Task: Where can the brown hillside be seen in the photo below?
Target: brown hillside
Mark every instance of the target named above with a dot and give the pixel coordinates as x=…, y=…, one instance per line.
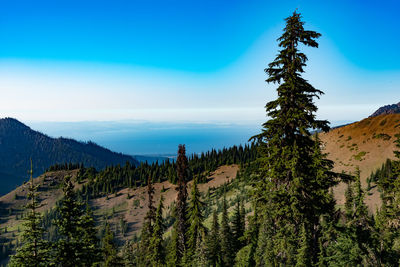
x=49, y=192
x=133, y=210
x=128, y=205
x=366, y=144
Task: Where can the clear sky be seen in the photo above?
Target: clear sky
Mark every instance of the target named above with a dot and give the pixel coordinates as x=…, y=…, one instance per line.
x=197, y=61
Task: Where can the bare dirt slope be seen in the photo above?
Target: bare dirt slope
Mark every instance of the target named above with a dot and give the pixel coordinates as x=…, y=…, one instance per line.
x=127, y=205
x=366, y=144
x=49, y=193
x=131, y=205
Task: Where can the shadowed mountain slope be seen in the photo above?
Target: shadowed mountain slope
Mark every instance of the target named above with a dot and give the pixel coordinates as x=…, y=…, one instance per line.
x=19, y=143
x=388, y=109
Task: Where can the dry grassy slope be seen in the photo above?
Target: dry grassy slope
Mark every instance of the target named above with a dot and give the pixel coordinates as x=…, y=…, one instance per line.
x=131, y=209
x=49, y=192
x=366, y=144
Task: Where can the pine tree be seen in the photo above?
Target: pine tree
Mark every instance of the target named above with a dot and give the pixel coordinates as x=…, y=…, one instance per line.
x=294, y=190
x=196, y=228
x=238, y=225
x=246, y=256
x=213, y=242
x=200, y=257
x=181, y=206
x=348, y=205
x=226, y=237
x=355, y=245
x=144, y=257
x=172, y=248
x=387, y=219
x=34, y=250
x=109, y=249
x=90, y=243
x=69, y=248
x=129, y=253
x=156, y=243
x=303, y=252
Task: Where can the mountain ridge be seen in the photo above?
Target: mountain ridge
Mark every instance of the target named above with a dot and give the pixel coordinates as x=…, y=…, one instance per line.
x=19, y=143
x=388, y=109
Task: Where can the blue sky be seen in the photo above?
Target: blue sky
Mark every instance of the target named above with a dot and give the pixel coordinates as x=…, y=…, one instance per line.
x=191, y=61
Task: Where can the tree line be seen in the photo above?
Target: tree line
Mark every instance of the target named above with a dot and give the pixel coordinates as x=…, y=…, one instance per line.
x=114, y=178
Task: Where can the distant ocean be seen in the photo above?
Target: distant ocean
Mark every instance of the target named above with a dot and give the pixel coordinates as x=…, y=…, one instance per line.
x=154, y=139
x=150, y=138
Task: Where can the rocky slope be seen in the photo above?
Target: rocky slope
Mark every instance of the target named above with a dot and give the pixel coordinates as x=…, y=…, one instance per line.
x=388, y=109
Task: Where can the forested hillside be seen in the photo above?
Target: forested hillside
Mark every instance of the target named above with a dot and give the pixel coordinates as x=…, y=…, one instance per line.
x=19, y=143
x=116, y=194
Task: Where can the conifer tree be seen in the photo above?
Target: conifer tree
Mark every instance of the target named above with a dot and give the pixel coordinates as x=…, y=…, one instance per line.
x=34, y=250
x=355, y=245
x=196, y=227
x=214, y=248
x=156, y=243
x=90, y=243
x=109, y=249
x=387, y=219
x=145, y=252
x=200, y=257
x=303, y=252
x=129, y=253
x=226, y=237
x=296, y=174
x=172, y=248
x=238, y=225
x=246, y=256
x=349, y=197
x=181, y=205
x=243, y=216
x=69, y=248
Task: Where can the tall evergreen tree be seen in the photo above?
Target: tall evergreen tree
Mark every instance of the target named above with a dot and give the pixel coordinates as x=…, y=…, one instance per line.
x=109, y=249
x=246, y=256
x=356, y=243
x=196, y=228
x=172, y=248
x=144, y=257
x=387, y=219
x=181, y=205
x=238, y=225
x=200, y=257
x=156, y=244
x=227, y=249
x=349, y=197
x=34, y=250
x=296, y=175
x=69, y=248
x=89, y=241
x=213, y=242
x=129, y=253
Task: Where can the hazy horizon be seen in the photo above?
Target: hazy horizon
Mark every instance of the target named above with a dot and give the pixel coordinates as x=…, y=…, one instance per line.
x=188, y=61
x=154, y=138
